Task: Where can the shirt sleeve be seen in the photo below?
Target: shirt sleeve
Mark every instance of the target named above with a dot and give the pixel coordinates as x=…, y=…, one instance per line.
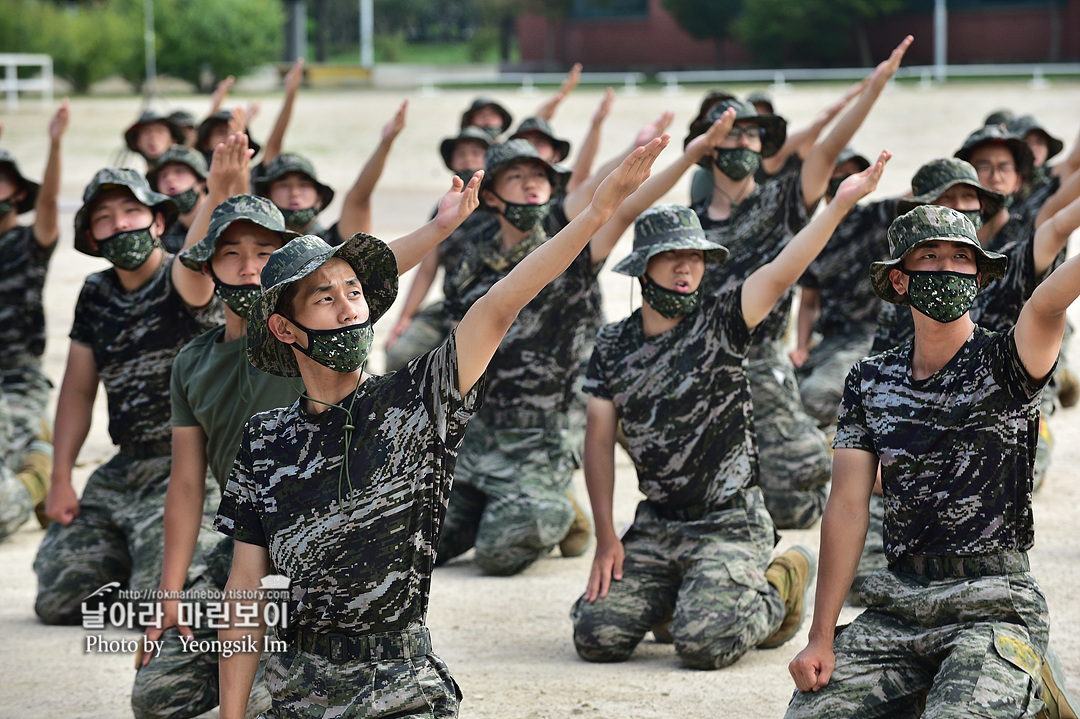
x=852, y=431
x=82, y=328
x=238, y=516
x=796, y=215
x=436, y=373
x=1009, y=370
x=725, y=317
x=181, y=413
x=596, y=374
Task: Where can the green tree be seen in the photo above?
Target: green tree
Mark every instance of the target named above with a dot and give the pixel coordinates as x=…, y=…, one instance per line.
x=780, y=32
x=705, y=19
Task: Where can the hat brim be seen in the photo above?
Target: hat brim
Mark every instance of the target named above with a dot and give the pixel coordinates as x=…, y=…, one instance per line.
x=376, y=268
x=558, y=175
x=992, y=200
x=194, y=256
x=1025, y=161
x=32, y=189
x=637, y=261
x=131, y=135
x=991, y=266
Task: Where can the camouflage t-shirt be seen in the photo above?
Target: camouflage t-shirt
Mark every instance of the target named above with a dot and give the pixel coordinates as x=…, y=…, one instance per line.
x=849, y=305
x=536, y=363
x=757, y=230
x=453, y=248
x=214, y=387
x=366, y=566
x=684, y=402
x=135, y=337
x=957, y=449
x=23, y=265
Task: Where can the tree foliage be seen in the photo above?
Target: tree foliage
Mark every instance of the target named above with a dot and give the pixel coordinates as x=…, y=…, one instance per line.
x=706, y=19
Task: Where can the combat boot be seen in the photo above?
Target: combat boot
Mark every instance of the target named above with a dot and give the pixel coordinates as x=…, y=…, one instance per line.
x=576, y=540
x=36, y=473
x=791, y=574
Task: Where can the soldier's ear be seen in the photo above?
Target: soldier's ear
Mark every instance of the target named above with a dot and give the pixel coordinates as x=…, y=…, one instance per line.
x=899, y=282
x=281, y=328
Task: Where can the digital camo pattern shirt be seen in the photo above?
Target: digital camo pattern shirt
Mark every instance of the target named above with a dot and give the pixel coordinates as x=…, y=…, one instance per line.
x=536, y=363
x=957, y=449
x=366, y=566
x=849, y=305
x=23, y=265
x=454, y=247
x=684, y=402
x=173, y=238
x=757, y=230
x=135, y=336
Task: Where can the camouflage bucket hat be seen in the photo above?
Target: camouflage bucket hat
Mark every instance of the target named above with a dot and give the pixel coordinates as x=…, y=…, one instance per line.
x=927, y=223
x=999, y=117
x=149, y=117
x=1024, y=124
x=32, y=188
x=663, y=228
x=375, y=266
x=849, y=154
x=935, y=177
x=482, y=102
x=111, y=178
x=288, y=162
x=502, y=154
x=698, y=124
x=996, y=134
x=763, y=98
x=182, y=155
x=207, y=126
x=238, y=207
x=540, y=125
x=775, y=127
x=467, y=134
x=183, y=118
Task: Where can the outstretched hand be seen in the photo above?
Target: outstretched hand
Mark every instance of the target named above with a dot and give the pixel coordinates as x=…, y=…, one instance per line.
x=833, y=110
x=396, y=124
x=294, y=77
x=628, y=176
x=237, y=121
x=220, y=93
x=459, y=202
x=547, y=110
x=704, y=143
x=59, y=122
x=229, y=165
x=885, y=70
x=605, y=106
x=654, y=128
x=607, y=567
x=857, y=186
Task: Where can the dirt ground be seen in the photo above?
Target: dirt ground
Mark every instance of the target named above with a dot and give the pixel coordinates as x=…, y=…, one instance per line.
x=507, y=640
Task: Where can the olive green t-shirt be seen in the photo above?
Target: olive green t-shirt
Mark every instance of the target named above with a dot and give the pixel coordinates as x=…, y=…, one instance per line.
x=215, y=387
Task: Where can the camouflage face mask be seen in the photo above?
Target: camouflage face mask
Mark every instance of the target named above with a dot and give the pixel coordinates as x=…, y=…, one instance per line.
x=669, y=303
x=525, y=217
x=297, y=220
x=6, y=206
x=975, y=216
x=128, y=250
x=344, y=349
x=942, y=295
x=737, y=162
x=186, y=200
x=238, y=298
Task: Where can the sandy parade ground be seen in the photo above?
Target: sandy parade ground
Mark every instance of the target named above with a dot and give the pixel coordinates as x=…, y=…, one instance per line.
x=507, y=640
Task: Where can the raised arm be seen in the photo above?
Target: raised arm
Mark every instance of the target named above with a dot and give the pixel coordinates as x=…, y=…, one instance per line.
x=74, y=409
x=601, y=421
x=1042, y=320
x=1068, y=191
x=547, y=110
x=236, y=673
x=587, y=152
x=822, y=158
x=484, y=325
x=220, y=93
x=603, y=242
x=769, y=282
x=457, y=204
x=47, y=206
x=421, y=284
x=843, y=533
x=579, y=199
x=801, y=141
x=274, y=143
x=231, y=162
x=1070, y=163
x=809, y=311
x=1053, y=235
x=356, y=212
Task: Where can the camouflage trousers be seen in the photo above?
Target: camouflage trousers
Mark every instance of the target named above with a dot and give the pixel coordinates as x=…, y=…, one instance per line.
x=180, y=683
x=118, y=536
x=821, y=379
x=707, y=576
x=509, y=499
x=306, y=686
x=24, y=394
x=429, y=328
x=971, y=647
x=793, y=454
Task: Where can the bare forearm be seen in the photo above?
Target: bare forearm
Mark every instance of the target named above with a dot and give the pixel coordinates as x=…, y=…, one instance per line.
x=184, y=501
x=1066, y=193
x=46, y=208
x=236, y=674
x=412, y=248
x=421, y=284
x=809, y=311
x=843, y=534
x=277, y=136
x=74, y=410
